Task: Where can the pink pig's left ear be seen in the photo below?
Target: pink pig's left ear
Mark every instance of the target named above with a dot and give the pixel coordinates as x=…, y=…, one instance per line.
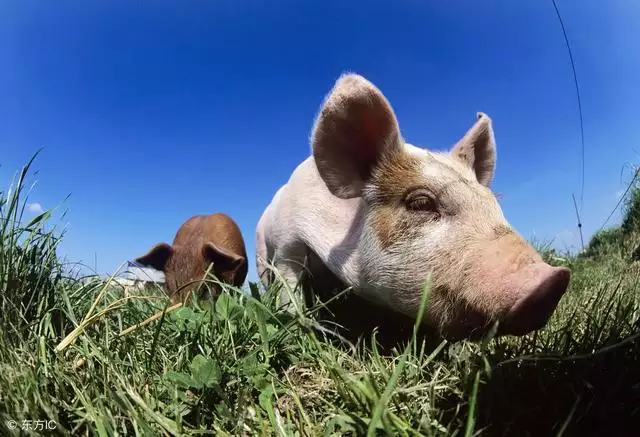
x=355, y=128
x=477, y=149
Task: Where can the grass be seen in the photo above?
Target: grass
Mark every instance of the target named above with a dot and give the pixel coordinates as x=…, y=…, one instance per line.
x=237, y=366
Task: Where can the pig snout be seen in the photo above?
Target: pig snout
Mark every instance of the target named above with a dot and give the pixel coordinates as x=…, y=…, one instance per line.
x=537, y=301
x=510, y=283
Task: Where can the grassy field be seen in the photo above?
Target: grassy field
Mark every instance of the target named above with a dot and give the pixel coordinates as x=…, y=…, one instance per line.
x=237, y=366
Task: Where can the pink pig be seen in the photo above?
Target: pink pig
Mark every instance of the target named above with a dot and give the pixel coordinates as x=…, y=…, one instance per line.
x=369, y=211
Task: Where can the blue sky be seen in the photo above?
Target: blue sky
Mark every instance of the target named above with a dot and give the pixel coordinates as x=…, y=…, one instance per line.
x=150, y=112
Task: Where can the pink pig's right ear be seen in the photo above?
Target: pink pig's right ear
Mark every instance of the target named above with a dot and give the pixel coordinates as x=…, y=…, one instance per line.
x=354, y=129
x=477, y=149
x=157, y=257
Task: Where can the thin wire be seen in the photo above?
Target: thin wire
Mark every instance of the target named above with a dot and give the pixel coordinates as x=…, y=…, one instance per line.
x=575, y=80
x=579, y=222
x=624, y=195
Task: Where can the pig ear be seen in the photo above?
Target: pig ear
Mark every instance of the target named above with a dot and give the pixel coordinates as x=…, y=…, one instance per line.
x=222, y=259
x=477, y=149
x=355, y=128
x=157, y=257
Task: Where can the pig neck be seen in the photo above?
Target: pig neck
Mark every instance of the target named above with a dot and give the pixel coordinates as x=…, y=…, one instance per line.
x=333, y=227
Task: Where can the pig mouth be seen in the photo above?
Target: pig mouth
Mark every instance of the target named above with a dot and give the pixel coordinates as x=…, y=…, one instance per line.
x=470, y=324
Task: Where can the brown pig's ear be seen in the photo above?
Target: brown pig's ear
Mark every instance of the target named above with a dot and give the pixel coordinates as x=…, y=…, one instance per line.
x=157, y=257
x=355, y=128
x=222, y=259
x=477, y=149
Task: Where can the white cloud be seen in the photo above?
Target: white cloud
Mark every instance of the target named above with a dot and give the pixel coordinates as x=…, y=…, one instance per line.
x=35, y=208
x=566, y=234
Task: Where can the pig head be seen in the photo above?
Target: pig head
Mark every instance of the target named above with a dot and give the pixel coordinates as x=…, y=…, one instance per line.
x=200, y=241
x=380, y=215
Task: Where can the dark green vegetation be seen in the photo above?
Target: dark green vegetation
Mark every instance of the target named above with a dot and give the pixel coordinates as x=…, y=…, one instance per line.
x=238, y=367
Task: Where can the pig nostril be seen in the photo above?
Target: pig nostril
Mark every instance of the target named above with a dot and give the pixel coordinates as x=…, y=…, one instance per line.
x=559, y=281
x=550, y=290
x=532, y=312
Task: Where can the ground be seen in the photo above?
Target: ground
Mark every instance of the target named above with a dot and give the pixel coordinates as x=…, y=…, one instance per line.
x=236, y=366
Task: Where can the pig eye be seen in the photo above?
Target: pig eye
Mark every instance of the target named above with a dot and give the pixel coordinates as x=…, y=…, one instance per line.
x=421, y=201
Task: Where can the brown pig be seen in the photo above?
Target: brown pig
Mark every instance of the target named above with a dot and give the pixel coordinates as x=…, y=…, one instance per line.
x=200, y=241
x=369, y=211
